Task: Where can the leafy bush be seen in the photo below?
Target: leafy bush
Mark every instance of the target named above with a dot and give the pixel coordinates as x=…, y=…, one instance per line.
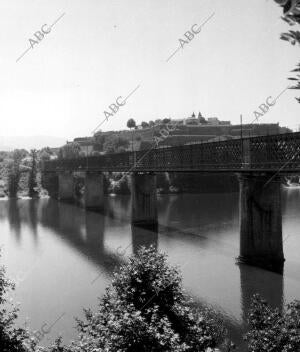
x=11, y=338
x=291, y=11
x=272, y=330
x=145, y=309
x=119, y=184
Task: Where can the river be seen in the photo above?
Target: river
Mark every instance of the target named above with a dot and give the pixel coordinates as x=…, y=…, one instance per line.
x=62, y=257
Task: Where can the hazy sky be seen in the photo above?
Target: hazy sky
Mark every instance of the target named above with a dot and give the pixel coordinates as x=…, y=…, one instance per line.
x=102, y=49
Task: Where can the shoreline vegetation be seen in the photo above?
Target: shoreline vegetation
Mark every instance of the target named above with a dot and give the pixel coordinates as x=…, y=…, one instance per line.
x=145, y=309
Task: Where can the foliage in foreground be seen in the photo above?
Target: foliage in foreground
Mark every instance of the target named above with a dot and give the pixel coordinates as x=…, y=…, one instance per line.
x=291, y=15
x=145, y=309
x=271, y=330
x=11, y=338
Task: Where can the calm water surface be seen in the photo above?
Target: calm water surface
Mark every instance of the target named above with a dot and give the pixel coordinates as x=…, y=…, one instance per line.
x=62, y=257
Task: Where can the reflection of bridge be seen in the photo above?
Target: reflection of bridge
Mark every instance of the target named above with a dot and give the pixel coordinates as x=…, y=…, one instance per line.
x=83, y=231
x=259, y=163
x=86, y=232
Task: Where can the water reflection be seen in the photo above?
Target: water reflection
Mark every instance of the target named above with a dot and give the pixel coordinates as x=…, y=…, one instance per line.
x=290, y=201
x=142, y=237
x=50, y=216
x=33, y=217
x=14, y=219
x=268, y=284
x=94, y=230
x=84, y=231
x=209, y=210
x=202, y=229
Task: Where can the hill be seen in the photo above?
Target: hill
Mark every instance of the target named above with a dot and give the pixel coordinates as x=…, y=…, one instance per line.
x=8, y=143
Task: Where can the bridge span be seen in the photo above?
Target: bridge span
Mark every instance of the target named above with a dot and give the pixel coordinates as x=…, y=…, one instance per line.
x=259, y=163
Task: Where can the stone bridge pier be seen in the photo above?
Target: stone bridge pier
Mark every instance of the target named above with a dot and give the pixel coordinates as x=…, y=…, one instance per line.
x=143, y=194
x=144, y=200
x=93, y=191
x=261, y=220
x=260, y=208
x=66, y=186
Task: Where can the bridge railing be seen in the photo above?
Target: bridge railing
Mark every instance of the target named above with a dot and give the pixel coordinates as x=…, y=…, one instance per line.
x=276, y=151
x=252, y=153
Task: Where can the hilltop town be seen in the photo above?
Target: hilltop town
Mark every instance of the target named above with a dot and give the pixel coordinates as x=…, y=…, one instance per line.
x=193, y=129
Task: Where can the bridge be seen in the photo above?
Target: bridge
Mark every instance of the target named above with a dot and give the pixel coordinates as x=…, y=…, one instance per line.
x=259, y=163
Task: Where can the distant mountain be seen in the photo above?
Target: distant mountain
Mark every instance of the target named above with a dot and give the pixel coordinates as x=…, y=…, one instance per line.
x=30, y=142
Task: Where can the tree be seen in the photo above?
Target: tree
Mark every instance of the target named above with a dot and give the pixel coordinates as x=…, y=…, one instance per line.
x=44, y=155
x=32, y=182
x=165, y=121
x=14, y=173
x=69, y=151
x=145, y=124
x=145, y=309
x=120, y=184
x=131, y=123
x=47, y=150
x=11, y=338
x=291, y=11
x=271, y=330
x=151, y=123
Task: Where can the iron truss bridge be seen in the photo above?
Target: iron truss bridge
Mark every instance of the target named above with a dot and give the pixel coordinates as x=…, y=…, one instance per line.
x=273, y=153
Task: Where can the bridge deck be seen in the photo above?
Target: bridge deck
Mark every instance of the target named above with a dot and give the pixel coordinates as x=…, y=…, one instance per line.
x=274, y=153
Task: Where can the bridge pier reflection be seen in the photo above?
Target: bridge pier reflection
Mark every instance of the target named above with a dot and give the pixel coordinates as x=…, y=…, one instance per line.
x=93, y=191
x=95, y=227
x=144, y=200
x=261, y=220
x=142, y=237
x=260, y=210
x=270, y=286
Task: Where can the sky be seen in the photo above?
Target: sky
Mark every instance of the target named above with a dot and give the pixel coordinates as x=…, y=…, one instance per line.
x=100, y=50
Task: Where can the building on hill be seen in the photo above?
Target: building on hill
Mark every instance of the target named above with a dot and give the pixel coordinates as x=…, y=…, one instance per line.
x=213, y=132
x=86, y=144
x=200, y=121
x=193, y=129
x=201, y=118
x=191, y=120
